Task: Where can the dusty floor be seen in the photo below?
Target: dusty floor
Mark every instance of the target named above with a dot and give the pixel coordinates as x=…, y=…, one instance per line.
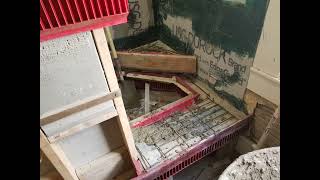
x=208, y=168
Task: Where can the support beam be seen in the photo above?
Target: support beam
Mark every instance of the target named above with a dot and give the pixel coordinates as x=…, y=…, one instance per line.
x=57, y=158
x=79, y=127
x=105, y=57
x=77, y=107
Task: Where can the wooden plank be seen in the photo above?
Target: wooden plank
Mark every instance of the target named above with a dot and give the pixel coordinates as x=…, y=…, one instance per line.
x=105, y=167
x=82, y=126
x=222, y=102
x=105, y=57
x=203, y=95
x=77, y=107
x=138, y=119
x=150, y=78
x=160, y=79
x=57, y=158
x=158, y=62
x=182, y=87
x=147, y=98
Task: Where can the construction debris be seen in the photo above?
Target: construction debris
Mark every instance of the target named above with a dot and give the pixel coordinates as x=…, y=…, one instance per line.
x=260, y=164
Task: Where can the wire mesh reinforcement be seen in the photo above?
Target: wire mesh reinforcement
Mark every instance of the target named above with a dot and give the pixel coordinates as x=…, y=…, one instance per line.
x=196, y=157
x=218, y=128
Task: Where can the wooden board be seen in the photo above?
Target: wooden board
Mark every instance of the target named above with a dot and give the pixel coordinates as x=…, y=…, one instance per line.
x=82, y=126
x=222, y=102
x=158, y=62
x=105, y=58
x=172, y=80
x=57, y=158
x=77, y=106
x=65, y=124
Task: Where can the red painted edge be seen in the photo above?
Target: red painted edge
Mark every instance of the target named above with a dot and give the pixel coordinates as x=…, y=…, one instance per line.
x=137, y=165
x=169, y=164
x=182, y=81
x=161, y=115
x=179, y=106
x=83, y=26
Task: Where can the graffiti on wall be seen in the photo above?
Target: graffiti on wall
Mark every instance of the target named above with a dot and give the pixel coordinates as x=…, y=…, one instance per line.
x=135, y=18
x=222, y=34
x=137, y=30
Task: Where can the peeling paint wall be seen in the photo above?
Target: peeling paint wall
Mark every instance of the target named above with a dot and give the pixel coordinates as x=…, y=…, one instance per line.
x=222, y=34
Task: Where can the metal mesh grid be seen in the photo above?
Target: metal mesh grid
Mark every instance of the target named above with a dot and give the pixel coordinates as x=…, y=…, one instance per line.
x=197, y=156
x=182, y=130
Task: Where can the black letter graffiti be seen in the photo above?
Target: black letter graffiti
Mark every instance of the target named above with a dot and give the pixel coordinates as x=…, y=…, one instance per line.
x=133, y=17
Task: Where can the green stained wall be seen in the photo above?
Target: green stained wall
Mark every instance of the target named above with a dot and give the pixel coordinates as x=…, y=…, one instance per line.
x=222, y=34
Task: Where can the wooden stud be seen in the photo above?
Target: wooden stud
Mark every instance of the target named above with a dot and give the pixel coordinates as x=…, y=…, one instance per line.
x=222, y=102
x=82, y=126
x=159, y=79
x=150, y=78
x=105, y=57
x=77, y=107
x=57, y=158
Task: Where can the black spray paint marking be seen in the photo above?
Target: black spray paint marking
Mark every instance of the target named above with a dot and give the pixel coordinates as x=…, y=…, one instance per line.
x=218, y=54
x=134, y=17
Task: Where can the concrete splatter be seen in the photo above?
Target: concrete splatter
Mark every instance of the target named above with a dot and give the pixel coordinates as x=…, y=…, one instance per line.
x=262, y=164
